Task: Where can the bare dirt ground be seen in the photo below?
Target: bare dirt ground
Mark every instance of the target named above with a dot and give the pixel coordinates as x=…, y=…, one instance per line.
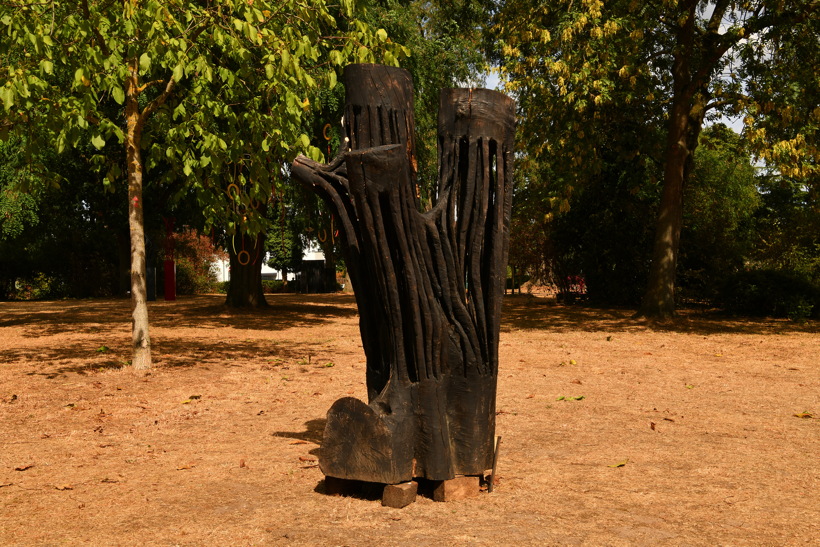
x=701, y=432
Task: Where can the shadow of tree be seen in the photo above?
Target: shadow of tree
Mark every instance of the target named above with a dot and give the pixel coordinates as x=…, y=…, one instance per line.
x=539, y=313
x=203, y=311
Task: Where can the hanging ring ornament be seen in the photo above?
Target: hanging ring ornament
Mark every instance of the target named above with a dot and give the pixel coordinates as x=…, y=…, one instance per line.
x=246, y=255
x=325, y=130
x=322, y=235
x=235, y=191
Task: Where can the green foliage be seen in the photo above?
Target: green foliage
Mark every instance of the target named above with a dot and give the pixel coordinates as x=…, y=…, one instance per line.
x=18, y=208
x=787, y=228
x=604, y=236
x=275, y=286
x=221, y=85
x=65, y=228
x=771, y=292
x=585, y=72
x=194, y=255
x=720, y=203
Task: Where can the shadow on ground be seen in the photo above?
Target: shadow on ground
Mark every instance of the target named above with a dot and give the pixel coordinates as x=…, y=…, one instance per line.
x=540, y=313
x=91, y=316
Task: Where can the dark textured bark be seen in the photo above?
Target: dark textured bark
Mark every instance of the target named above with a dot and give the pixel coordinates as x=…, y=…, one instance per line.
x=428, y=285
x=245, y=287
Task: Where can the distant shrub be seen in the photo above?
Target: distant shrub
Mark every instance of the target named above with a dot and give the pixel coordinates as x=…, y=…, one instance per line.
x=276, y=286
x=770, y=292
x=194, y=255
x=39, y=287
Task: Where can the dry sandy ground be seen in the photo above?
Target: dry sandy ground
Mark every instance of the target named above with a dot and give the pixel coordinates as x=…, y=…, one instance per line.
x=701, y=432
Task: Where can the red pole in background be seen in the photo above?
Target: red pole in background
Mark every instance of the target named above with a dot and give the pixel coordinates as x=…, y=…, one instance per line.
x=169, y=267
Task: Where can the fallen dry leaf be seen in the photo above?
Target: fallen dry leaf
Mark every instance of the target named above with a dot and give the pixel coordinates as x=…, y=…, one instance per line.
x=307, y=459
x=64, y=487
x=24, y=467
x=298, y=442
x=186, y=466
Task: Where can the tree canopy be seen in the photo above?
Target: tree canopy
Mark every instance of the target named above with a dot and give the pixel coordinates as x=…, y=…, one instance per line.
x=191, y=90
x=583, y=71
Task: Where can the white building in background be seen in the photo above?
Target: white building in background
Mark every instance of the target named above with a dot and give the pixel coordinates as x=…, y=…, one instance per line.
x=223, y=267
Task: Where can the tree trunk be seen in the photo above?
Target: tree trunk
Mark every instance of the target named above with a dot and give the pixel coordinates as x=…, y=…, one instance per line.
x=659, y=300
x=246, y=256
x=428, y=285
x=140, y=338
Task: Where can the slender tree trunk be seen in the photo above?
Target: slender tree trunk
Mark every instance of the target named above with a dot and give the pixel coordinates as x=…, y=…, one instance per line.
x=140, y=338
x=428, y=284
x=246, y=256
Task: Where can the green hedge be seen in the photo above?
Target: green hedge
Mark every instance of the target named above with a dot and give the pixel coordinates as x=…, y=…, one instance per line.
x=770, y=292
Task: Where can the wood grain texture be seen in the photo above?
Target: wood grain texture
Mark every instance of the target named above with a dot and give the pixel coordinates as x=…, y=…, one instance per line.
x=428, y=284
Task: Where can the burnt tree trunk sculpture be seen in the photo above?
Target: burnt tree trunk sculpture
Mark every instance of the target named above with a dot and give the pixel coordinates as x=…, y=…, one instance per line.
x=428, y=285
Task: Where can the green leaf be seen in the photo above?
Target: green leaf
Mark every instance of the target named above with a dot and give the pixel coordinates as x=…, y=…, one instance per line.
x=8, y=97
x=145, y=62
x=118, y=94
x=98, y=142
x=362, y=54
x=178, y=72
x=381, y=34
x=47, y=66
x=269, y=71
x=331, y=80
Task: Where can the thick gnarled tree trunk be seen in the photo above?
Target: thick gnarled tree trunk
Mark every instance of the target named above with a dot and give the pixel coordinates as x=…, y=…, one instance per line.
x=428, y=285
x=246, y=254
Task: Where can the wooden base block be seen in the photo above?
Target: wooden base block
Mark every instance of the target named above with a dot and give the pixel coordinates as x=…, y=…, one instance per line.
x=458, y=488
x=400, y=495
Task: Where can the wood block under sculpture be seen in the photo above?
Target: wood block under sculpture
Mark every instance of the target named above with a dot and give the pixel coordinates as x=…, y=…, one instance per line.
x=400, y=495
x=458, y=488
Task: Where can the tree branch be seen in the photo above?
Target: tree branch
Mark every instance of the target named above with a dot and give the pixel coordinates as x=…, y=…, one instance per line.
x=159, y=101
x=100, y=40
x=145, y=86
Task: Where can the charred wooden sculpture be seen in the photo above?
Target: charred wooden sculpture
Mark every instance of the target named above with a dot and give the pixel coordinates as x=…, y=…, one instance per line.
x=428, y=284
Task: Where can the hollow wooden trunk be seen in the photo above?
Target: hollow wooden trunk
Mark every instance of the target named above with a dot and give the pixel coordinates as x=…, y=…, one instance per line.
x=428, y=284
